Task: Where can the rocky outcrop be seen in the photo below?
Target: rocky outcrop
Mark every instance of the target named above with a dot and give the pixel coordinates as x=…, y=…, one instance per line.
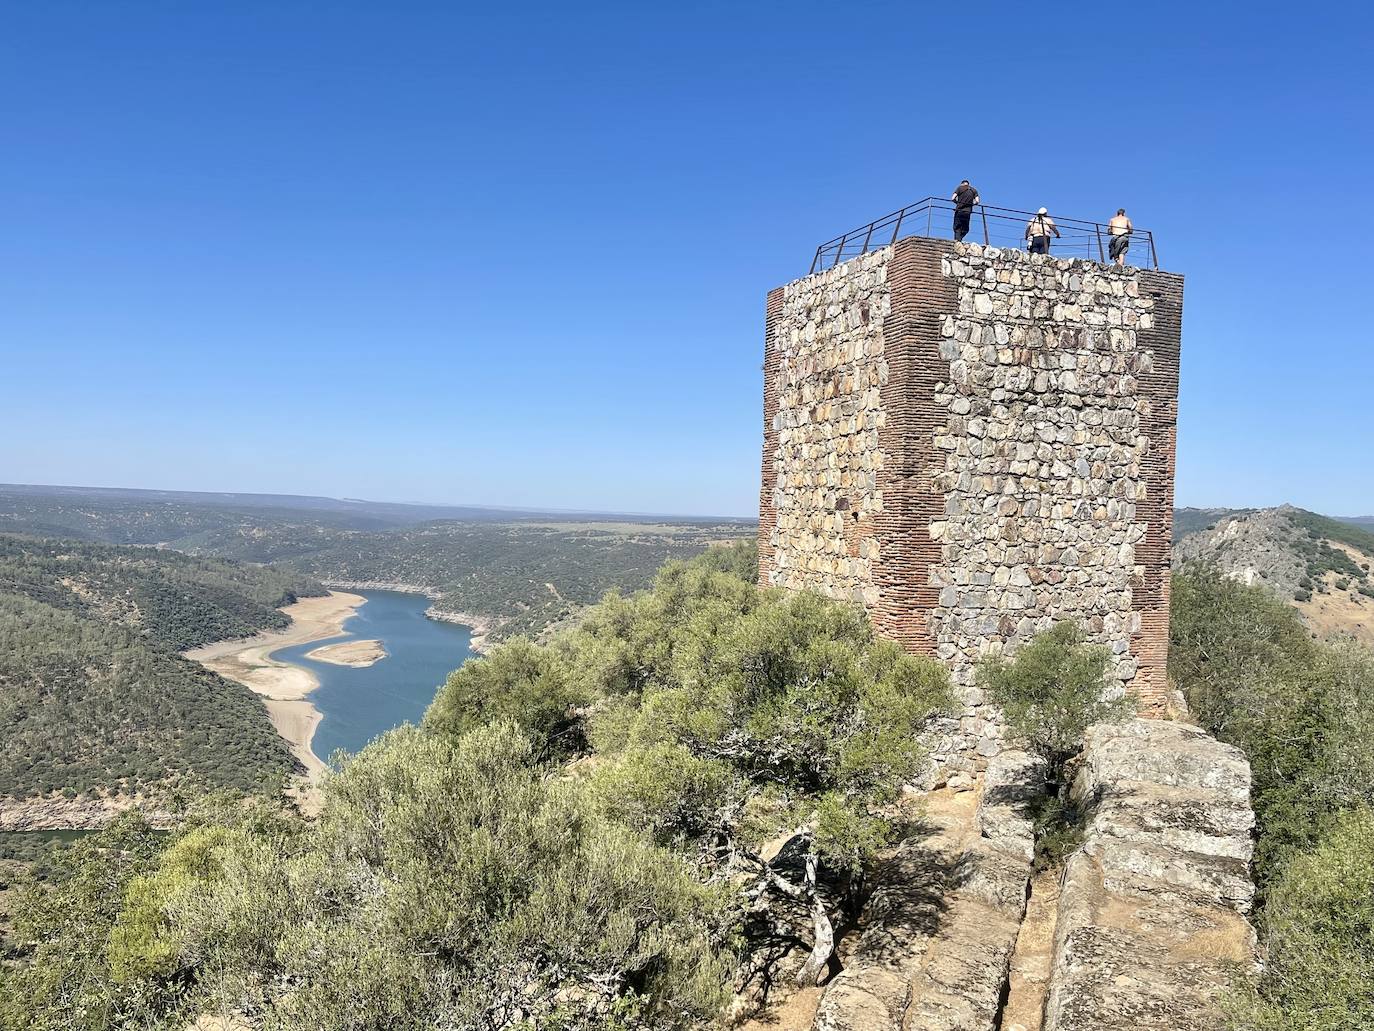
x=1151, y=925
x=941, y=927
x=1252, y=547
x=1323, y=567
x=86, y=813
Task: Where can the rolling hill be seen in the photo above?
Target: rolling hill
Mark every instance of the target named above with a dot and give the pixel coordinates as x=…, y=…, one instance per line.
x=516, y=571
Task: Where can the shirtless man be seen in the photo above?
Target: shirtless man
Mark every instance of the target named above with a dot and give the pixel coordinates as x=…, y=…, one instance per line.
x=1120, y=227
x=1038, y=231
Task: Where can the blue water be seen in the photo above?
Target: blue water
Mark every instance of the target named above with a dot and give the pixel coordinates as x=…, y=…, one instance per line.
x=359, y=704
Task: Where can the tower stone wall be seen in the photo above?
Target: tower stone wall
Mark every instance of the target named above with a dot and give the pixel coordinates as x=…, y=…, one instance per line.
x=973, y=443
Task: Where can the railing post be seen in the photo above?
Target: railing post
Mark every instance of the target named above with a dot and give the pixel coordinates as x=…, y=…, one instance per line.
x=1154, y=258
x=930, y=213
x=868, y=237
x=815, y=261
x=1101, y=254
x=987, y=241
x=839, y=250
x=898, y=227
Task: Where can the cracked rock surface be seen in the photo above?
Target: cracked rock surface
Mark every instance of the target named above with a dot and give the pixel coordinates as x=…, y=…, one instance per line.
x=1151, y=926
x=943, y=923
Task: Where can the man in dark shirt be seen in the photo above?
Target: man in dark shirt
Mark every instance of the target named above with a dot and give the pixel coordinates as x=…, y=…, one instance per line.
x=965, y=197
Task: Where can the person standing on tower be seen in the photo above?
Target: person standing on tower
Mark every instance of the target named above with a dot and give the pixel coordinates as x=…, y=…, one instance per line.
x=965, y=197
x=1038, y=232
x=1120, y=227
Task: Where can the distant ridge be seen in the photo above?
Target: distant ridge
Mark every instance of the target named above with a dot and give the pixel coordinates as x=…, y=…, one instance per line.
x=396, y=513
x=1319, y=564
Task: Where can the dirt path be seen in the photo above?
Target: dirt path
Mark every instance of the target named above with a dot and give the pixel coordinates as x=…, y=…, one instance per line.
x=1033, y=956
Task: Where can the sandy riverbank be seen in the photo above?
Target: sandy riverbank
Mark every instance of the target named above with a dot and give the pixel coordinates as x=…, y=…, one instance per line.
x=358, y=654
x=283, y=687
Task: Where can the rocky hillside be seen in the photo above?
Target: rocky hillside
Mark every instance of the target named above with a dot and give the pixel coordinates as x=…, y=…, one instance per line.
x=1322, y=565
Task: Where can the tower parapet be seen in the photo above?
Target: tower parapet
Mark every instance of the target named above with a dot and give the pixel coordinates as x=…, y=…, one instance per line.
x=972, y=443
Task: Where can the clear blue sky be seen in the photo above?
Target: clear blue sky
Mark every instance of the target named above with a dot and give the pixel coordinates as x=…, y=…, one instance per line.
x=517, y=254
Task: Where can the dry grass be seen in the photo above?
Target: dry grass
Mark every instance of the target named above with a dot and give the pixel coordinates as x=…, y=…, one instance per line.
x=1336, y=612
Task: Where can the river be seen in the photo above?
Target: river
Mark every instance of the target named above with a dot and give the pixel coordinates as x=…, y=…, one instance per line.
x=357, y=704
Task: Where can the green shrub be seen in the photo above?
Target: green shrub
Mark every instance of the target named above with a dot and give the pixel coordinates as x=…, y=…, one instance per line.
x=733, y=716
x=739, y=559
x=520, y=682
x=1052, y=691
x=1319, y=935
x=61, y=923
x=723, y=715
x=797, y=696
x=1302, y=711
x=448, y=883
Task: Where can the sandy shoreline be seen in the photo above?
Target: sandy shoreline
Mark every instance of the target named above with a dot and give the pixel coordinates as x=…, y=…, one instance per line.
x=358, y=654
x=284, y=688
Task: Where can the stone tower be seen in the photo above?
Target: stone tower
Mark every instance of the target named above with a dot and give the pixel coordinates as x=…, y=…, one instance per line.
x=973, y=443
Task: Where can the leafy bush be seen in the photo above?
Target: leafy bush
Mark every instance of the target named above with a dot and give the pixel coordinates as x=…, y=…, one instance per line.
x=1319, y=935
x=520, y=682
x=798, y=698
x=723, y=716
x=1302, y=711
x=1052, y=691
x=738, y=558
x=62, y=982
x=448, y=883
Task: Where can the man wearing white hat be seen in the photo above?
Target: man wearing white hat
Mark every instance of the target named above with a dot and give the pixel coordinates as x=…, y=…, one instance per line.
x=1038, y=232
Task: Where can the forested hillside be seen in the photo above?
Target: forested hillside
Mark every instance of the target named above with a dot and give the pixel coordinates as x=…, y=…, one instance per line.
x=520, y=572
x=522, y=576
x=94, y=697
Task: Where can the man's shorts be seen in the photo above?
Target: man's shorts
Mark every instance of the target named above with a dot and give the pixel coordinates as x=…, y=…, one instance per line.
x=1119, y=246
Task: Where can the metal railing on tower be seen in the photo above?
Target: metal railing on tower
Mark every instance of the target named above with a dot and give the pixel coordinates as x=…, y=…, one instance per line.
x=989, y=225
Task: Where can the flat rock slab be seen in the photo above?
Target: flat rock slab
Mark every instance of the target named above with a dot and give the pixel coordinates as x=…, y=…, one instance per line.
x=1151, y=926
x=943, y=922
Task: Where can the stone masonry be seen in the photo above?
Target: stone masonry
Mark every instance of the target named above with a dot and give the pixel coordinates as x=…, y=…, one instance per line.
x=973, y=443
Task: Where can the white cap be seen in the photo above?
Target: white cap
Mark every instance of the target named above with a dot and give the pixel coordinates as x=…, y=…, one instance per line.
x=1043, y=211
